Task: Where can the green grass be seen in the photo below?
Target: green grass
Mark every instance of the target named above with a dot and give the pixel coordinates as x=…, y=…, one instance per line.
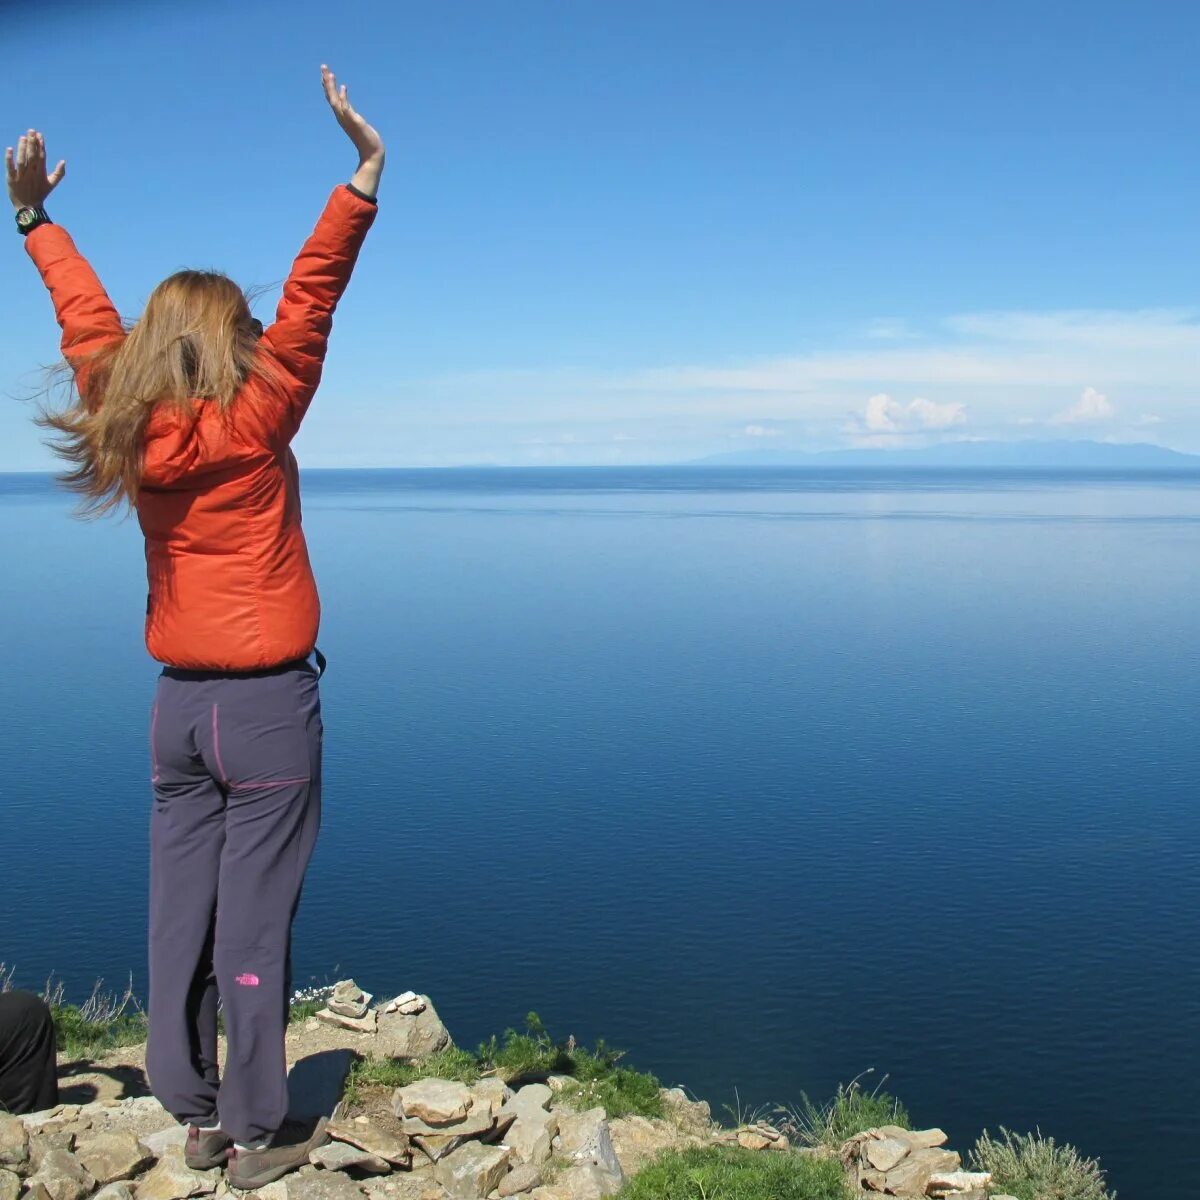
x=80, y=1036
x=1032, y=1167
x=727, y=1173
x=302, y=1010
x=851, y=1111
x=105, y=1021
x=451, y=1063
x=517, y=1058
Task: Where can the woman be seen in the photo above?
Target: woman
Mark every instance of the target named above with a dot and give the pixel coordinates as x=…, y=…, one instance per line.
x=188, y=417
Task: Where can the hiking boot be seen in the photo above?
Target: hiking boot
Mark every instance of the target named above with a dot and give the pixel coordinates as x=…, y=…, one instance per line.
x=288, y=1150
x=206, y=1149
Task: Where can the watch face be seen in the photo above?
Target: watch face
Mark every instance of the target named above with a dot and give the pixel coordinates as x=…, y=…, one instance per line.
x=26, y=217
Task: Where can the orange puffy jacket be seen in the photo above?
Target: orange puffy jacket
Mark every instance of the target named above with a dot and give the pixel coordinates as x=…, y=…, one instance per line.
x=231, y=588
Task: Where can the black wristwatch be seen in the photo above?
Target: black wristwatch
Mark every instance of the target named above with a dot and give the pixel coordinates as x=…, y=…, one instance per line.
x=28, y=219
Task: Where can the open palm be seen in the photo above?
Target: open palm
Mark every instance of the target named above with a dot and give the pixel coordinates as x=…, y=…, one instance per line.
x=28, y=182
x=366, y=139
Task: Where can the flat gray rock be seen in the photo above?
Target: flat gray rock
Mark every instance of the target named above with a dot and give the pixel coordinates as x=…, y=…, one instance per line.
x=160, y=1143
x=112, y=1156
x=173, y=1179
x=367, y=1136
x=337, y=1156
x=322, y=1185
x=10, y=1184
x=63, y=1176
x=14, y=1141
x=524, y=1177
x=437, y=1102
x=114, y=1191
x=473, y=1170
x=532, y=1134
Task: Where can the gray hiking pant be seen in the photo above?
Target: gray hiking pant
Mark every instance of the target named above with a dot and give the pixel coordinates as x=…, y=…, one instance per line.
x=236, y=765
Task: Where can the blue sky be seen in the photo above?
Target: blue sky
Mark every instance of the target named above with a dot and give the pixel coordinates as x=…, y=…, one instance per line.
x=644, y=232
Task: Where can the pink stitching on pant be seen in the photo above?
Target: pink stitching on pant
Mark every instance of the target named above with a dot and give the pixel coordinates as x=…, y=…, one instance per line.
x=217, y=745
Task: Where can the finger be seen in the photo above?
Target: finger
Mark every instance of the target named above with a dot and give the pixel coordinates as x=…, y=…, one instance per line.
x=10, y=164
x=56, y=176
x=329, y=79
x=22, y=152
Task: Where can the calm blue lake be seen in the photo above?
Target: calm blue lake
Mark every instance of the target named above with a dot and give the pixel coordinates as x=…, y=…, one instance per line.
x=770, y=776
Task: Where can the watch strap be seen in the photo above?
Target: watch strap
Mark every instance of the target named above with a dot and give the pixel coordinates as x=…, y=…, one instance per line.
x=29, y=218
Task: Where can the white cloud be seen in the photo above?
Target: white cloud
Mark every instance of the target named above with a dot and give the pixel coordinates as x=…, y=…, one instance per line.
x=885, y=415
x=998, y=375
x=1090, y=409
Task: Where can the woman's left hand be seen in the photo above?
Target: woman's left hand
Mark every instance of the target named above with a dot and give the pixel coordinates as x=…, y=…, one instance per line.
x=28, y=183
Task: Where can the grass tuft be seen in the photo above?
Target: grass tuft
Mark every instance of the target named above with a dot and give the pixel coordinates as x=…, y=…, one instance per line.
x=1032, y=1167
x=727, y=1173
x=103, y=1022
x=851, y=1111
x=451, y=1063
x=517, y=1058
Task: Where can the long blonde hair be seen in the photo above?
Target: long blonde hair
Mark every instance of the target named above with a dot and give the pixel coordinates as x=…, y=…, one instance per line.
x=195, y=341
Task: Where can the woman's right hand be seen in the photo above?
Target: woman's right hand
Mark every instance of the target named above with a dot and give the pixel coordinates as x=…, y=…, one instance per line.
x=28, y=182
x=366, y=140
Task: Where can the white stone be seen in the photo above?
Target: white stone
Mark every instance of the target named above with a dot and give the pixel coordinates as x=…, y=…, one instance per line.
x=10, y=1185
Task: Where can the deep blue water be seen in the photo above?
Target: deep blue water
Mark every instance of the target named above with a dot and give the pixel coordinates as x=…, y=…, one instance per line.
x=770, y=776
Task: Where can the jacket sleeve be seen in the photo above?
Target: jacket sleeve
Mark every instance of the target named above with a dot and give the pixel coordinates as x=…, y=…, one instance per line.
x=87, y=316
x=300, y=335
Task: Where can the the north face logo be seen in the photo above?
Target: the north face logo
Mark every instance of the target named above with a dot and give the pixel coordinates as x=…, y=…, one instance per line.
x=247, y=980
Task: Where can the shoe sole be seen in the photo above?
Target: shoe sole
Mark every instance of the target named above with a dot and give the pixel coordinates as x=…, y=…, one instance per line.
x=248, y=1183
x=208, y=1163
x=253, y=1182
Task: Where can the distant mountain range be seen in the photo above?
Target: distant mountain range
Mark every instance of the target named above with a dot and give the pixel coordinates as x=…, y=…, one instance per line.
x=1053, y=455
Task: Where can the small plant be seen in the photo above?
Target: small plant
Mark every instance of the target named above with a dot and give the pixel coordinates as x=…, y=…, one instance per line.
x=728, y=1173
x=105, y=1021
x=307, y=1002
x=851, y=1111
x=596, y=1076
x=451, y=1063
x=1032, y=1167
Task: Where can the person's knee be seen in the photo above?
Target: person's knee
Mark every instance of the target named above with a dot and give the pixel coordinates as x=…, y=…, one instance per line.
x=25, y=1012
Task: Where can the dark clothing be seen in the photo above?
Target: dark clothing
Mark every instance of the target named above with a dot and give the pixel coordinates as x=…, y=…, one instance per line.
x=237, y=804
x=28, y=1068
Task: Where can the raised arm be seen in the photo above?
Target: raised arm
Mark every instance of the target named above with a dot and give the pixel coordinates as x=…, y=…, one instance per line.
x=300, y=335
x=87, y=316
